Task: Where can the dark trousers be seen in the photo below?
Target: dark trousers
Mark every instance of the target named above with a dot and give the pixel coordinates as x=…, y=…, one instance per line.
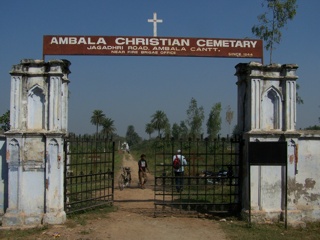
x=179, y=180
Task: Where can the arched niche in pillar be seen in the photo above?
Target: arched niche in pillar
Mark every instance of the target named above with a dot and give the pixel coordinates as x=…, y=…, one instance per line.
x=36, y=108
x=271, y=109
x=53, y=154
x=14, y=151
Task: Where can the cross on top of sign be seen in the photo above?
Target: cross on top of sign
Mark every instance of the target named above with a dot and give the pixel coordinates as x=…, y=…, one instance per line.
x=155, y=21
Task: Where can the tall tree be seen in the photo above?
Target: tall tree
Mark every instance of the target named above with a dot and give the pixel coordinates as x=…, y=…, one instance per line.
x=273, y=20
x=5, y=121
x=159, y=121
x=180, y=131
x=149, y=129
x=229, y=116
x=195, y=118
x=167, y=130
x=214, y=121
x=108, y=127
x=176, y=131
x=184, y=131
x=97, y=119
x=131, y=136
x=299, y=100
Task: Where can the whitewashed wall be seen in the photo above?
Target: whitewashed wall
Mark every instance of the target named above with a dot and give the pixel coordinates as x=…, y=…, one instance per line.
x=3, y=176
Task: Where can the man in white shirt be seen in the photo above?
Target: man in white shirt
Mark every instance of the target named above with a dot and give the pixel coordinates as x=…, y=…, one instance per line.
x=179, y=172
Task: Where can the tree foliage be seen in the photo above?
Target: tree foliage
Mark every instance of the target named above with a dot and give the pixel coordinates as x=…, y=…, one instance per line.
x=315, y=127
x=180, y=131
x=229, y=116
x=195, y=118
x=273, y=20
x=159, y=121
x=184, y=131
x=97, y=119
x=214, y=121
x=5, y=121
x=176, y=131
x=108, y=127
x=149, y=129
x=131, y=136
x=299, y=100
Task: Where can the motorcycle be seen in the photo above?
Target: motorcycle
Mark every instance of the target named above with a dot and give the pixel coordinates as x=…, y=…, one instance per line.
x=221, y=177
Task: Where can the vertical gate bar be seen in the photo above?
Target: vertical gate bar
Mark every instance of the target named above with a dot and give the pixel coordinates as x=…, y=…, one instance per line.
x=65, y=174
x=84, y=162
x=80, y=161
x=84, y=184
x=196, y=158
x=240, y=171
x=89, y=165
x=215, y=146
x=224, y=142
x=76, y=159
x=108, y=169
x=112, y=185
x=103, y=170
x=231, y=167
x=155, y=180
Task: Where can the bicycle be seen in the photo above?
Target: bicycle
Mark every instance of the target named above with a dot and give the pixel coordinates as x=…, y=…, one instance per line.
x=124, y=178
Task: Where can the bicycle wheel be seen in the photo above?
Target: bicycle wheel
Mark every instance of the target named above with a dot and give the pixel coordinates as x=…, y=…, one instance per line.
x=121, y=182
x=129, y=179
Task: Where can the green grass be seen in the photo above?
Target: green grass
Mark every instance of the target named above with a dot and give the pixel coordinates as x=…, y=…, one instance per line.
x=79, y=218
x=234, y=229
x=21, y=233
x=239, y=230
x=83, y=216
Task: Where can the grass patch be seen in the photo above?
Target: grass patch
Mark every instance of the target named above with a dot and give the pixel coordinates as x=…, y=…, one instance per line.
x=21, y=233
x=73, y=220
x=82, y=217
x=239, y=230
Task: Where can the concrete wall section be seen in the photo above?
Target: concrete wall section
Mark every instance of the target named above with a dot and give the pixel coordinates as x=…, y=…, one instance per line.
x=3, y=177
x=304, y=186
x=38, y=117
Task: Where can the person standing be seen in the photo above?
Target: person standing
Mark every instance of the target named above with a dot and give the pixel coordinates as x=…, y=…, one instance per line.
x=179, y=172
x=143, y=168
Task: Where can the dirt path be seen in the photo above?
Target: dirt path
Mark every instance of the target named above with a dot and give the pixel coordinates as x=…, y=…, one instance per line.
x=134, y=219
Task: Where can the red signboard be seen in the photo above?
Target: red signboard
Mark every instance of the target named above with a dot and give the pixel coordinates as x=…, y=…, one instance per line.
x=152, y=46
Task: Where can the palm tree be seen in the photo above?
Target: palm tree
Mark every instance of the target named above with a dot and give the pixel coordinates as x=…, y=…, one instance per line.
x=149, y=129
x=159, y=121
x=108, y=127
x=97, y=118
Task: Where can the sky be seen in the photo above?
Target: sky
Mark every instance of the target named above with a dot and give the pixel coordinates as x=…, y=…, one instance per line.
x=128, y=89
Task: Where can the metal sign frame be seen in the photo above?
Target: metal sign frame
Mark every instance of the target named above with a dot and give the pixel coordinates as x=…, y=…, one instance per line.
x=152, y=46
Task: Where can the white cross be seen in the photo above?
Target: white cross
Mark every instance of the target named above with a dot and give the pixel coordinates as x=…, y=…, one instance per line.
x=155, y=21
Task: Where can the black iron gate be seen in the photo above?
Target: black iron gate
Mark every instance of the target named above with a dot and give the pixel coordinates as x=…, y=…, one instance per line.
x=89, y=172
x=211, y=181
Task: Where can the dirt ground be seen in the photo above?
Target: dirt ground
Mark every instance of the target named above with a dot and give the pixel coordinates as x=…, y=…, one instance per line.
x=134, y=219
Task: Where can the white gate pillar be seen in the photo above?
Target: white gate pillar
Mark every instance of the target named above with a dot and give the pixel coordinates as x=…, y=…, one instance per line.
x=266, y=97
x=38, y=117
x=267, y=113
